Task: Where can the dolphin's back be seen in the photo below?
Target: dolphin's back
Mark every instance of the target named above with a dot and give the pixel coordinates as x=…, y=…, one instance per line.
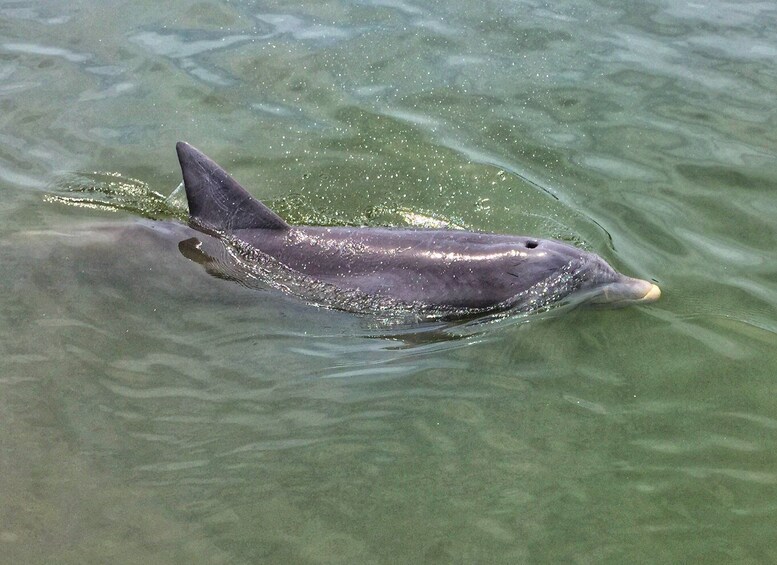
x=452, y=268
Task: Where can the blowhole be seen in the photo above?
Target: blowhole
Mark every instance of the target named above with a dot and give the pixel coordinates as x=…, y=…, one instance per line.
x=531, y=244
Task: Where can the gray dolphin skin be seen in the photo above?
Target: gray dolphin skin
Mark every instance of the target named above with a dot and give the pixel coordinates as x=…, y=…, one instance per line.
x=434, y=272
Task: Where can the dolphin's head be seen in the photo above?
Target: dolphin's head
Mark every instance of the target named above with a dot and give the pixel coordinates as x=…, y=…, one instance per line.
x=583, y=277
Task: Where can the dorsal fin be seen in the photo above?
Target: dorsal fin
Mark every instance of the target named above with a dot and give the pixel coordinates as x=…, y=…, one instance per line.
x=216, y=200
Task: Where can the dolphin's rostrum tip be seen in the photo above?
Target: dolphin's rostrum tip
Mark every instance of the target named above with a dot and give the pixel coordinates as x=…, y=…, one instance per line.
x=653, y=294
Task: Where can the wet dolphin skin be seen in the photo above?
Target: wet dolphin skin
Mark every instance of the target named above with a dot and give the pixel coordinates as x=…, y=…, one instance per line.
x=443, y=271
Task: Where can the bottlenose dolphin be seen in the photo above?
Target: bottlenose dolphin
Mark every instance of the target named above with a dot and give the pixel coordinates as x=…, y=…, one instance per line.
x=442, y=273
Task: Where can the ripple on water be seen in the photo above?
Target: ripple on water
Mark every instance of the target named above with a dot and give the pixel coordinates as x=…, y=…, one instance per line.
x=46, y=51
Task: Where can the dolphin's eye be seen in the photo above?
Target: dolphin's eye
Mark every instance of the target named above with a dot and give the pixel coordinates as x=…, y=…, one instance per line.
x=531, y=244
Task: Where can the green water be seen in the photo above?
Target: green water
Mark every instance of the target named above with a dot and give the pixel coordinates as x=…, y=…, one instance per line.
x=151, y=413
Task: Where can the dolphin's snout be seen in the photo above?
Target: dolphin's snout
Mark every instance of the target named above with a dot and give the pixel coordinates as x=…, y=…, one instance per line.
x=638, y=290
x=626, y=291
x=651, y=295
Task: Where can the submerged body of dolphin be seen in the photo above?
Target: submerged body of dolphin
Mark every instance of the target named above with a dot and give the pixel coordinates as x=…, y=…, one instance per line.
x=437, y=272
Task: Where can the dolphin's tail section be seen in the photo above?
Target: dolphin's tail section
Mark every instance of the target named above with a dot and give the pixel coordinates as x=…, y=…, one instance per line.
x=216, y=200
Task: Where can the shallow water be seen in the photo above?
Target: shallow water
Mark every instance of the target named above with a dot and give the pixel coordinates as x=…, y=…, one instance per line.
x=153, y=413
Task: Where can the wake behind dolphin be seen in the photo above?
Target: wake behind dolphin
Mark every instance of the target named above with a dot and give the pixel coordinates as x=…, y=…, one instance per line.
x=435, y=273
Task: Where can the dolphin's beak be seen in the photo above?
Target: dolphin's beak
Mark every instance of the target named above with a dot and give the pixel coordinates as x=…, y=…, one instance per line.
x=627, y=291
x=652, y=295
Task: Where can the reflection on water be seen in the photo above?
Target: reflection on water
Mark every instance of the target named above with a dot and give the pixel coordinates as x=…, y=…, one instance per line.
x=154, y=413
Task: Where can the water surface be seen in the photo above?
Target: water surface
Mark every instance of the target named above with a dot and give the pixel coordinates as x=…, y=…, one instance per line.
x=153, y=413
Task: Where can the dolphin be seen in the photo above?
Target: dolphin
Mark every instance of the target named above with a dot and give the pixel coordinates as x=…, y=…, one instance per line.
x=436, y=273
